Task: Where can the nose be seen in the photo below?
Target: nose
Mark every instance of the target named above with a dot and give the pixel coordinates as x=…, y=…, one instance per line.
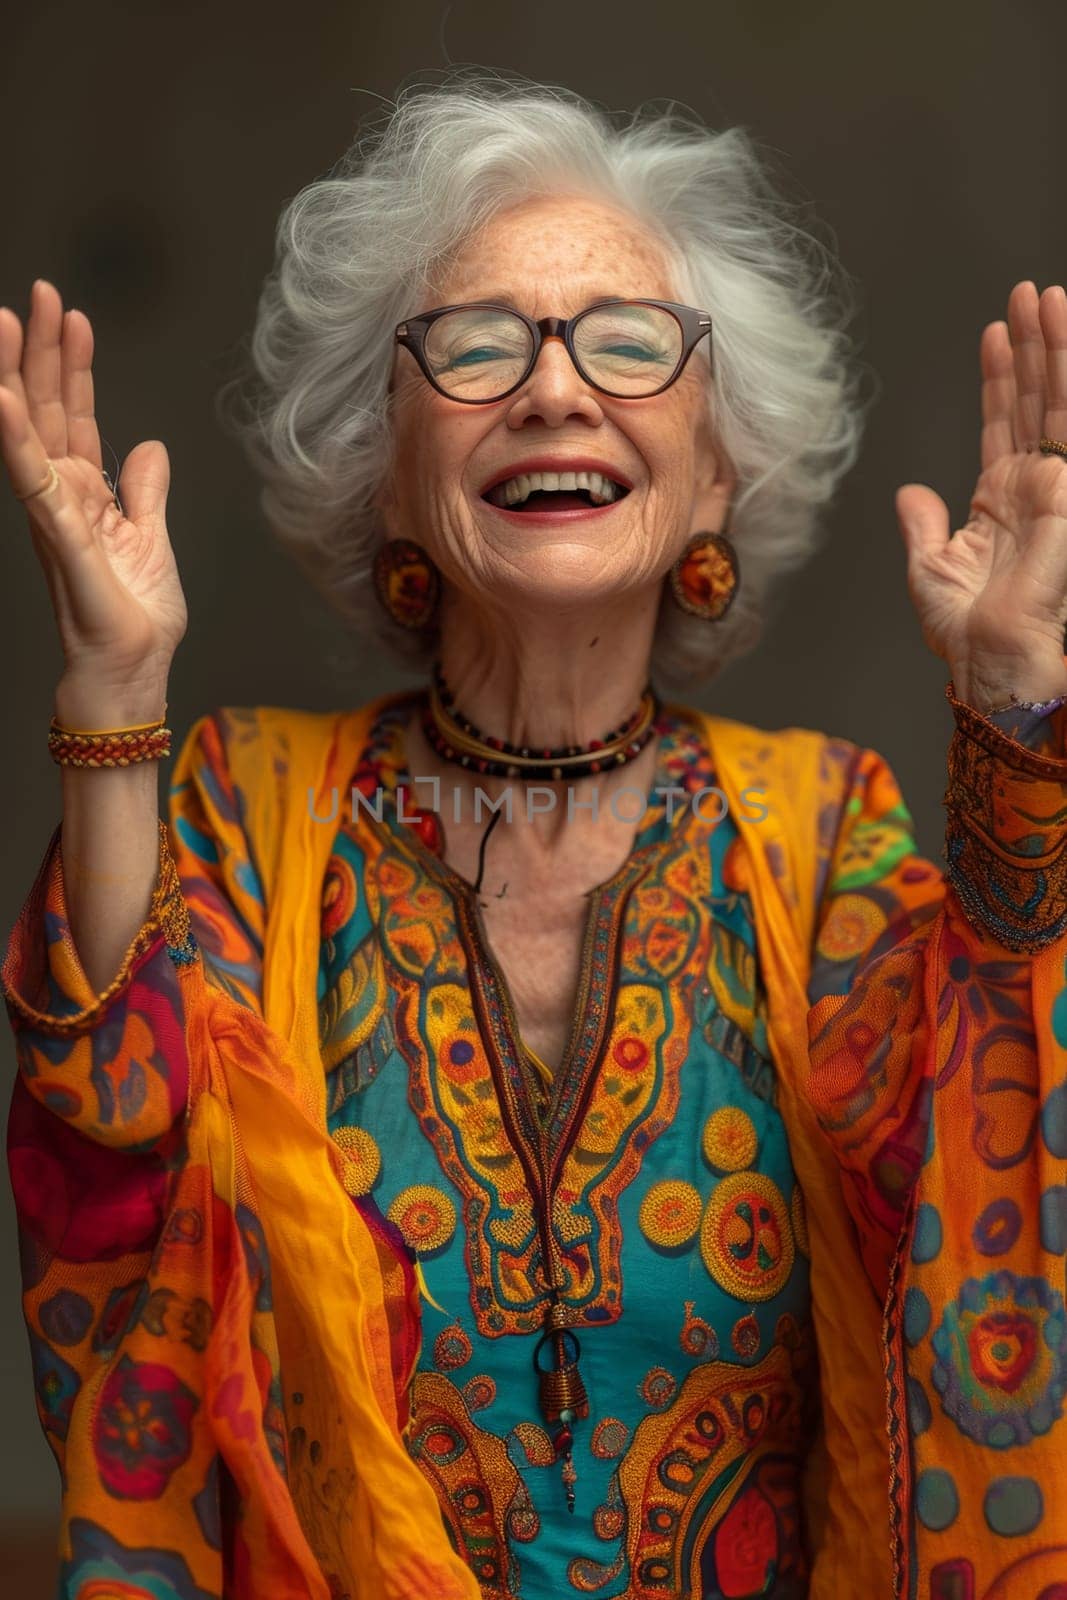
x=555, y=391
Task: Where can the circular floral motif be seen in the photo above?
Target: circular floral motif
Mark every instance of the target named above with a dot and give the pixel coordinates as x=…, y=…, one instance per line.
x=66, y=1317
x=142, y=1428
x=479, y=1392
x=459, y=1058
x=670, y=1214
x=608, y=1522
x=609, y=1439
x=363, y=1159
x=853, y=925
x=730, y=1139
x=745, y=1337
x=425, y=1216
x=441, y=1442
x=998, y=1227
x=451, y=1349
x=629, y=1053
x=1001, y=1359
x=657, y=1388
x=746, y=1240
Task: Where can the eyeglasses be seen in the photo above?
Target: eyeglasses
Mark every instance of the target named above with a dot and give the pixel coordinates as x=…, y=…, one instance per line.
x=628, y=349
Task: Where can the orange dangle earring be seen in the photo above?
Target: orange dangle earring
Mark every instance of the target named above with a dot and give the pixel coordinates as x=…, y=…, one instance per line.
x=407, y=582
x=705, y=577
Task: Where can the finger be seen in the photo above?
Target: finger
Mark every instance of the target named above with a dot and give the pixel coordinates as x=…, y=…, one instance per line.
x=76, y=351
x=1052, y=311
x=998, y=393
x=11, y=353
x=924, y=523
x=1028, y=348
x=48, y=502
x=24, y=456
x=144, y=481
x=41, y=368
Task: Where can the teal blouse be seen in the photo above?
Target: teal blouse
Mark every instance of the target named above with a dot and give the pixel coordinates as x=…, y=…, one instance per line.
x=652, y=1175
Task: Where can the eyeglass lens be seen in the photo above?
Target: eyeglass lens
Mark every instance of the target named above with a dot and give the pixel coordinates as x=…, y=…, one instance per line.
x=480, y=352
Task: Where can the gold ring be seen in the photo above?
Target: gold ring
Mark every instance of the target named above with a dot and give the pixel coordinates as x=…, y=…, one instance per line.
x=51, y=482
x=1053, y=447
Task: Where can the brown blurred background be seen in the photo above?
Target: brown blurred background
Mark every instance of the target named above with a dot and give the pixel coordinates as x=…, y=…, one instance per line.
x=146, y=151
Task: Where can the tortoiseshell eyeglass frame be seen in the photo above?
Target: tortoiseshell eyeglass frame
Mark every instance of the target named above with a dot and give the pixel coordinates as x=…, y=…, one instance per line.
x=411, y=333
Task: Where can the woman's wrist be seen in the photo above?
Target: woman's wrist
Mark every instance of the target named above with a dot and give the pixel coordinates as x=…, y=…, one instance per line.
x=90, y=706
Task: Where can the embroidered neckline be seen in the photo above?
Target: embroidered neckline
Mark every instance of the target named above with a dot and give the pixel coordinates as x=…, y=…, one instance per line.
x=683, y=763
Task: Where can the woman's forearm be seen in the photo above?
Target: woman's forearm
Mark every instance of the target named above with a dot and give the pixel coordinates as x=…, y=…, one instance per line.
x=110, y=833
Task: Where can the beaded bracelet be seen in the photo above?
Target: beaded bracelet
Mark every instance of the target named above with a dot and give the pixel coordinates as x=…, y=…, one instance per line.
x=109, y=747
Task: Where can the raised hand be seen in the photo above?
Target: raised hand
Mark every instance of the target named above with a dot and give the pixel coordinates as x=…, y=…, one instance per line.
x=992, y=596
x=112, y=576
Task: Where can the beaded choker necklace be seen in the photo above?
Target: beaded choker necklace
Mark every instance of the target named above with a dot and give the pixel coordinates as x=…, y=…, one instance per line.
x=455, y=738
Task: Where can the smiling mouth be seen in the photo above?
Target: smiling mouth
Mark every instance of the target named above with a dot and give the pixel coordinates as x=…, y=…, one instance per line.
x=555, y=491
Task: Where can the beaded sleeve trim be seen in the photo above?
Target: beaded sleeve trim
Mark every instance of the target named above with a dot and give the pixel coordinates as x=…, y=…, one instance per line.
x=167, y=915
x=1006, y=837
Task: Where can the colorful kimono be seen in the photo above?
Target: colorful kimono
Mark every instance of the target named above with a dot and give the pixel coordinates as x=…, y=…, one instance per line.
x=292, y=1192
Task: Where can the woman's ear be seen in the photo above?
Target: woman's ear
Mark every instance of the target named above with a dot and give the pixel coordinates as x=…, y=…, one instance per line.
x=716, y=483
x=711, y=504
x=716, y=486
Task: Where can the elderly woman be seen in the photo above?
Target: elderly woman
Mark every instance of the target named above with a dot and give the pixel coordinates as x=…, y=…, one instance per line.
x=521, y=1137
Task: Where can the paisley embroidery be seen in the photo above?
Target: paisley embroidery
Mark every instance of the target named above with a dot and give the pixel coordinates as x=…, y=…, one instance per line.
x=487, y=1503
x=681, y=1461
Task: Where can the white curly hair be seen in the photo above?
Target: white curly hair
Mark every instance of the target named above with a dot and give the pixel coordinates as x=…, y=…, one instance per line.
x=356, y=250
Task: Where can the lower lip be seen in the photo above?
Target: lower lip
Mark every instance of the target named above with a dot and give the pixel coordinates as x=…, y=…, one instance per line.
x=578, y=514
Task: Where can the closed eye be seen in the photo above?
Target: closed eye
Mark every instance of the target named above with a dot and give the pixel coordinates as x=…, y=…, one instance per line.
x=631, y=352
x=471, y=358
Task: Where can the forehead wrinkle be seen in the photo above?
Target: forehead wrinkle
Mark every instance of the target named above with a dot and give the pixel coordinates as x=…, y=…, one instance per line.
x=551, y=233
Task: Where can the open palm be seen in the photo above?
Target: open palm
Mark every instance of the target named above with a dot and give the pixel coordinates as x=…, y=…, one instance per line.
x=111, y=573
x=992, y=596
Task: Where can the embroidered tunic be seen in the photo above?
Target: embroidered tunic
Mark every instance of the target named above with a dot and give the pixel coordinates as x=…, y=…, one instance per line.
x=653, y=1171
x=153, y=1127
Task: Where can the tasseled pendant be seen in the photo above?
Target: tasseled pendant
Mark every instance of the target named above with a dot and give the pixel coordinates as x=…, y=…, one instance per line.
x=562, y=1392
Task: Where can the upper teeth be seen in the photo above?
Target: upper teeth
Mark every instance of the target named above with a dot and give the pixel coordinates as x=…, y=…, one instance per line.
x=600, y=489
